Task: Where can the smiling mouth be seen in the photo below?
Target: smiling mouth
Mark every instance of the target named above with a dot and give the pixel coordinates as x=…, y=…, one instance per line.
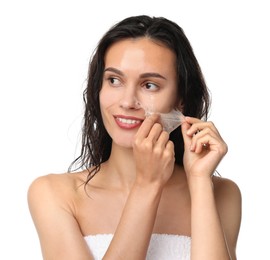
x=128, y=121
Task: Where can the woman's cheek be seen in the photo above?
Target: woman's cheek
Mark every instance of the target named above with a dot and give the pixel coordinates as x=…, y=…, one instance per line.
x=107, y=98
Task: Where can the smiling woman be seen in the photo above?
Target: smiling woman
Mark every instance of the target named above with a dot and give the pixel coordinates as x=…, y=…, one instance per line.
x=141, y=192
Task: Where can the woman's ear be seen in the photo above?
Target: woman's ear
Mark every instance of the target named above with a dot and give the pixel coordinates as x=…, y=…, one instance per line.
x=180, y=105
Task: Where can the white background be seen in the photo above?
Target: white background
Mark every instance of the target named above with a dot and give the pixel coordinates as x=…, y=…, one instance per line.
x=45, y=47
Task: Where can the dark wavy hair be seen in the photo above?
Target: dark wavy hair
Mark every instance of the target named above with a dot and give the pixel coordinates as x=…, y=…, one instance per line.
x=193, y=92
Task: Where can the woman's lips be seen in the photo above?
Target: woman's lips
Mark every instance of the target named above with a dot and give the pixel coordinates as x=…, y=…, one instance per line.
x=128, y=122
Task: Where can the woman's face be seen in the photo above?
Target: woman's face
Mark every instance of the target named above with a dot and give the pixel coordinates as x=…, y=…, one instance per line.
x=139, y=75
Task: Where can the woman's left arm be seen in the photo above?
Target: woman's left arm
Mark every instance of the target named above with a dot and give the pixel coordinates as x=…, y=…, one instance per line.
x=215, y=202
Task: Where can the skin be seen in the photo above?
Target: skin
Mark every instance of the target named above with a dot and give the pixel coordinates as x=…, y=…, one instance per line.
x=140, y=190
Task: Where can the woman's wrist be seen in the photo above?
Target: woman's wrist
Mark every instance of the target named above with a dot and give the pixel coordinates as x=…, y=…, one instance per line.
x=200, y=183
x=147, y=188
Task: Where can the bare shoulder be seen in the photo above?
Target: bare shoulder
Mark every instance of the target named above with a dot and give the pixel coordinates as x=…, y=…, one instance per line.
x=227, y=194
x=59, y=179
x=55, y=182
x=58, y=187
x=226, y=188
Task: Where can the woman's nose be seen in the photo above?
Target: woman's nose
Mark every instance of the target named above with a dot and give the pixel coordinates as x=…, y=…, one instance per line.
x=129, y=100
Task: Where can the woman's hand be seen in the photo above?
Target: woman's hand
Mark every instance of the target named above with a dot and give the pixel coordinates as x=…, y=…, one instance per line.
x=153, y=152
x=204, y=147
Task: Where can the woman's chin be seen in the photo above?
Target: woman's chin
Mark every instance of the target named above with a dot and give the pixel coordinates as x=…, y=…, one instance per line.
x=127, y=144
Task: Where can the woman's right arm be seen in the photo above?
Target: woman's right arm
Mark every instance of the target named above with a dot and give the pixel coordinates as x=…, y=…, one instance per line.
x=59, y=234
x=154, y=157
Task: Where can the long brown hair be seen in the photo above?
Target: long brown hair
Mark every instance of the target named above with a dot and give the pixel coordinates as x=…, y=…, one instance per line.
x=193, y=92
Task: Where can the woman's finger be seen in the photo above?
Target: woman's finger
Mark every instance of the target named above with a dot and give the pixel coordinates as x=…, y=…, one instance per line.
x=146, y=126
x=187, y=139
x=155, y=132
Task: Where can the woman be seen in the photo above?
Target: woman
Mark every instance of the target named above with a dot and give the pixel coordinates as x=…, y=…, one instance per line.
x=141, y=192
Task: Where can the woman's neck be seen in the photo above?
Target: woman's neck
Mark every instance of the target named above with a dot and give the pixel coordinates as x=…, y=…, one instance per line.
x=120, y=169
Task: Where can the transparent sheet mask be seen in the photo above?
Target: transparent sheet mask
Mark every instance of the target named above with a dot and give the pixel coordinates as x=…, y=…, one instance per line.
x=170, y=121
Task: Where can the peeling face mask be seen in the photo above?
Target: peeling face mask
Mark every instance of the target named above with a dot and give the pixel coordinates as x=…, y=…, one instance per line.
x=170, y=121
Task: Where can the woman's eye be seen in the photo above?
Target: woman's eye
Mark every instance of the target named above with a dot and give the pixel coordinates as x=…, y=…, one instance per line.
x=151, y=86
x=114, y=81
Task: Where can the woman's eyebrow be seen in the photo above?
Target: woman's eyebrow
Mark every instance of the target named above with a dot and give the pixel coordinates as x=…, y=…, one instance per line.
x=152, y=75
x=144, y=75
x=119, y=72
